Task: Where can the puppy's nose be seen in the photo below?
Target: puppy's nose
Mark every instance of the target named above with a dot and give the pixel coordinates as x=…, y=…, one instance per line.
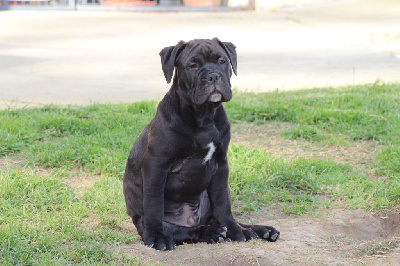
x=213, y=77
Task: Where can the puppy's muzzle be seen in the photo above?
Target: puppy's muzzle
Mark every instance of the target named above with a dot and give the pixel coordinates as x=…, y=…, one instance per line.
x=213, y=78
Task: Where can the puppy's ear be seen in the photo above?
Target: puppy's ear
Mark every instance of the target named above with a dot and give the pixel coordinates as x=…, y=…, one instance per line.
x=230, y=50
x=168, y=56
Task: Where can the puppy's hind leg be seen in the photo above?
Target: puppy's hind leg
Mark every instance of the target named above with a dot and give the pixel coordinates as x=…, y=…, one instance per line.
x=138, y=222
x=264, y=232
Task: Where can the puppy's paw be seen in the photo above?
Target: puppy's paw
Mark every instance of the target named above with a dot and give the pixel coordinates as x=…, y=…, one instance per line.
x=242, y=234
x=213, y=234
x=216, y=234
x=267, y=233
x=159, y=241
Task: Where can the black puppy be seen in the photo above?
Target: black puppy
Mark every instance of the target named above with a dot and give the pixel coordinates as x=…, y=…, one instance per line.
x=176, y=178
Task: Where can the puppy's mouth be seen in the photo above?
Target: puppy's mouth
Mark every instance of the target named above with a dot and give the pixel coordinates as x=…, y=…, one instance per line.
x=215, y=97
x=214, y=94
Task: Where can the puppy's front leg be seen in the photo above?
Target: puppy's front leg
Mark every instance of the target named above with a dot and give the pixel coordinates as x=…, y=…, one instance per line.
x=154, y=171
x=221, y=205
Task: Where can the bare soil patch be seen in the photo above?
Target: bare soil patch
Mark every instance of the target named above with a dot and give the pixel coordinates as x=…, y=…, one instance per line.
x=78, y=180
x=81, y=181
x=11, y=163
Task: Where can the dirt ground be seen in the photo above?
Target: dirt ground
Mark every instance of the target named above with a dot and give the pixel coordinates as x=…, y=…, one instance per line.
x=340, y=237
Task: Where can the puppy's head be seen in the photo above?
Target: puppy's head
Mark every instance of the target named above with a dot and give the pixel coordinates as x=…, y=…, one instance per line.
x=203, y=69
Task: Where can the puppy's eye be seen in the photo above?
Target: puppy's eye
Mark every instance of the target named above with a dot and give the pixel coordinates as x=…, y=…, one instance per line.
x=193, y=66
x=222, y=61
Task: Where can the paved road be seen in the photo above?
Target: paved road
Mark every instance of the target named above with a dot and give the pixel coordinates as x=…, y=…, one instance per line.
x=81, y=57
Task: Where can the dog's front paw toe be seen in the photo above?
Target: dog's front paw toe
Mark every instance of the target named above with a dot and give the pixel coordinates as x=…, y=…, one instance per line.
x=242, y=234
x=274, y=237
x=250, y=234
x=267, y=233
x=263, y=232
x=223, y=231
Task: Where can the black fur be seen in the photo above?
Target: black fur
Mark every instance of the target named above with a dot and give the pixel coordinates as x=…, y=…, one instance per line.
x=173, y=193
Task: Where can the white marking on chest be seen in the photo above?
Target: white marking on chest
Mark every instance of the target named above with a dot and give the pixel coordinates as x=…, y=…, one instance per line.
x=211, y=150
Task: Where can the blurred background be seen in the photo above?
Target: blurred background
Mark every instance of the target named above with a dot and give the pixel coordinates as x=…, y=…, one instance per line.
x=158, y=5
x=84, y=51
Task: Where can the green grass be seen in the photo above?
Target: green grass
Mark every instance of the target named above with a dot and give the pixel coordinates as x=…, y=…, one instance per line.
x=258, y=178
x=44, y=221
x=361, y=112
x=41, y=221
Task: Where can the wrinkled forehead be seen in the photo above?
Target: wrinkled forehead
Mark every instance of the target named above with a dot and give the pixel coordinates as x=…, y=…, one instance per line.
x=202, y=50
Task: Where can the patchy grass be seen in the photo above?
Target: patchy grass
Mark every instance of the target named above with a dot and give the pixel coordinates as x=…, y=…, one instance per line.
x=257, y=177
x=299, y=151
x=361, y=112
x=379, y=248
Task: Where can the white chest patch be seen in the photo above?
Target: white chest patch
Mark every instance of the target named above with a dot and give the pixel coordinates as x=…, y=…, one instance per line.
x=211, y=150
